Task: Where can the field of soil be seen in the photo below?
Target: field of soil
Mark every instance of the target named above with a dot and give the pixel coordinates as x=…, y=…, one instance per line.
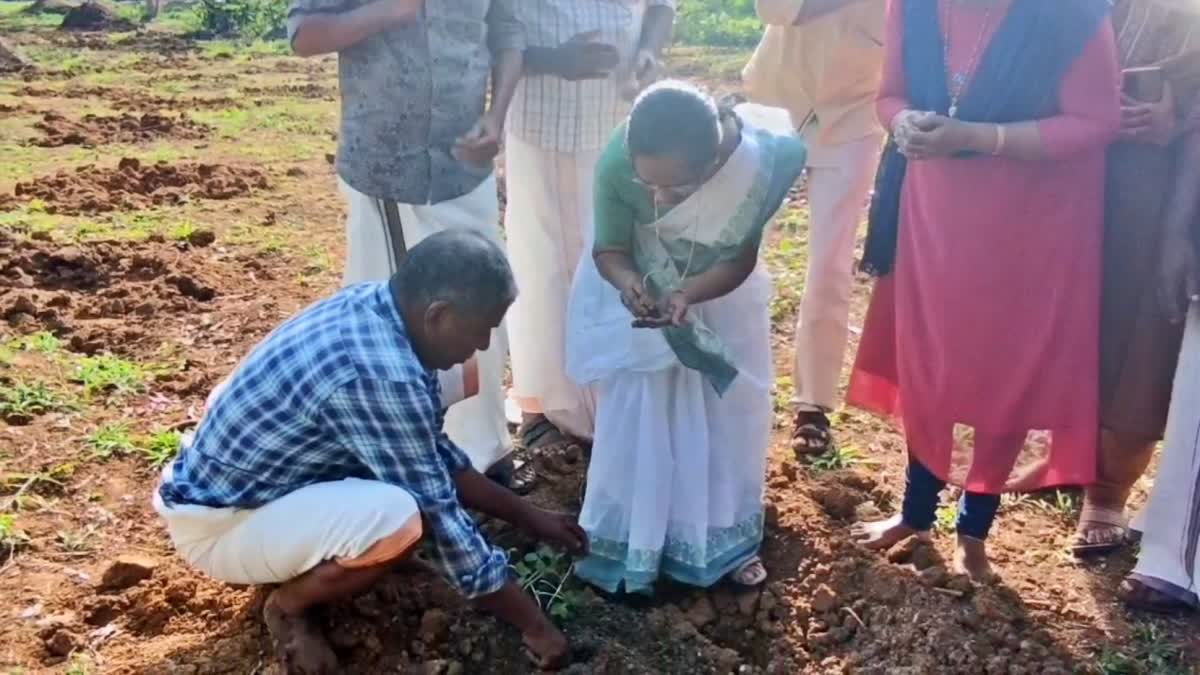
x=164, y=203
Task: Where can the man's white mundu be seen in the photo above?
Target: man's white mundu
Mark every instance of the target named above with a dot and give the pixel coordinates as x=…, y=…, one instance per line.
x=1170, y=522
x=474, y=421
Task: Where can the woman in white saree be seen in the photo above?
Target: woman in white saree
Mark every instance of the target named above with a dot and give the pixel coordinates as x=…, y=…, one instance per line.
x=669, y=321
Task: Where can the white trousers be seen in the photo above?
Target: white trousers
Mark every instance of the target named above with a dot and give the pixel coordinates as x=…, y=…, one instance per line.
x=548, y=224
x=838, y=185
x=341, y=520
x=476, y=424
x=1170, y=521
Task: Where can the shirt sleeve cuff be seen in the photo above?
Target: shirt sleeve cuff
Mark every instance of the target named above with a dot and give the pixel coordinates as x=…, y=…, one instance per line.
x=669, y=4
x=488, y=579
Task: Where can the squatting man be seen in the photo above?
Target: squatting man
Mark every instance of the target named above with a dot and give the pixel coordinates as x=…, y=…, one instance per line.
x=322, y=463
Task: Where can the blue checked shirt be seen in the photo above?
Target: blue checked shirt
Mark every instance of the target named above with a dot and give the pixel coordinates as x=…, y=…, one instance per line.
x=337, y=392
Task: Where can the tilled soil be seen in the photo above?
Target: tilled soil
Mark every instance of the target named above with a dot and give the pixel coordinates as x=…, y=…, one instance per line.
x=132, y=185
x=12, y=61
x=125, y=99
x=128, y=605
x=93, y=130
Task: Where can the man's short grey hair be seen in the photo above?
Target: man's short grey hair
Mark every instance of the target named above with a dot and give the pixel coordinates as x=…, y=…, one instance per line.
x=463, y=268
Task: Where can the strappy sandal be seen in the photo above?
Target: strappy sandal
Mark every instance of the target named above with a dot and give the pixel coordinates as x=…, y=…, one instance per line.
x=551, y=447
x=1100, y=531
x=1141, y=597
x=811, y=434
x=750, y=574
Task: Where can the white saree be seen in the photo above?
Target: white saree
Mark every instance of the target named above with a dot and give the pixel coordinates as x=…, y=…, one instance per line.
x=675, y=483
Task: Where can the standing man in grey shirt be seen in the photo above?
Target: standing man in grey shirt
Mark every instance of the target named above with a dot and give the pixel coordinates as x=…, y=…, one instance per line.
x=415, y=152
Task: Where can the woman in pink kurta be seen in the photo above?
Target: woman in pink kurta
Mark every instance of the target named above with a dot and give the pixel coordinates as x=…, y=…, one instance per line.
x=982, y=335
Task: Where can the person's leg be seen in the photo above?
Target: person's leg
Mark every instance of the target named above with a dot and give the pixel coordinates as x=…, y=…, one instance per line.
x=476, y=424
x=917, y=514
x=1122, y=460
x=976, y=513
x=327, y=541
x=839, y=181
x=547, y=222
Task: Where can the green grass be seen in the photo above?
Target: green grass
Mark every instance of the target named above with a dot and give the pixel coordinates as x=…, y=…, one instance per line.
x=13, y=18
x=1150, y=652
x=27, y=399
x=161, y=447
x=112, y=440
x=43, y=343
x=835, y=459
x=12, y=538
x=947, y=516
x=244, y=51
x=108, y=374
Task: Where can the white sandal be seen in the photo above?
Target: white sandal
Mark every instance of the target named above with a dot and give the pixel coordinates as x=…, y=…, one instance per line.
x=750, y=573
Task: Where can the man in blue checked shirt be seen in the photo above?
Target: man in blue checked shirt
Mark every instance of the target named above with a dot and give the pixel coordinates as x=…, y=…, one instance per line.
x=322, y=462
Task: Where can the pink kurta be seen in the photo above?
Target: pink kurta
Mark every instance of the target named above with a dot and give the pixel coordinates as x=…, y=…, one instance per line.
x=983, y=339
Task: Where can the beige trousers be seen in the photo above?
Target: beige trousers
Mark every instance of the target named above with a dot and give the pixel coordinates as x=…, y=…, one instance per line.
x=476, y=424
x=839, y=180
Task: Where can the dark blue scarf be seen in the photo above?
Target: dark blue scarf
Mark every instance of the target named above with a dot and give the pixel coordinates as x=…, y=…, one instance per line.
x=1017, y=80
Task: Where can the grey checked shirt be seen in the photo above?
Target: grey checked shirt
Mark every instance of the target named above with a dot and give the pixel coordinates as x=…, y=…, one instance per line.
x=408, y=92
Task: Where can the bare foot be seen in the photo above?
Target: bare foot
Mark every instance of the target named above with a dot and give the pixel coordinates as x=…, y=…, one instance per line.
x=970, y=558
x=882, y=534
x=300, y=646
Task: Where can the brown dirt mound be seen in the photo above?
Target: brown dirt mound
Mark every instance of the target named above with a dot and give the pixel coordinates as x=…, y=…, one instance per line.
x=11, y=60
x=309, y=90
x=126, y=99
x=106, y=296
x=94, y=16
x=60, y=7
x=133, y=185
x=93, y=130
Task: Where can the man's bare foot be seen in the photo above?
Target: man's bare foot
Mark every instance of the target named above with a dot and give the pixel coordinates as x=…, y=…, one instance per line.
x=301, y=647
x=883, y=534
x=970, y=558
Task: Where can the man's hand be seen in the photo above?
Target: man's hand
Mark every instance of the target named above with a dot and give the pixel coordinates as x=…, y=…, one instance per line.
x=1178, y=283
x=557, y=529
x=647, y=68
x=583, y=57
x=481, y=144
x=548, y=647
x=1152, y=123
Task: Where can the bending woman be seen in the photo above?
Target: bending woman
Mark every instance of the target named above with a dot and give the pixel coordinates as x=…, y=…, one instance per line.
x=669, y=321
x=982, y=336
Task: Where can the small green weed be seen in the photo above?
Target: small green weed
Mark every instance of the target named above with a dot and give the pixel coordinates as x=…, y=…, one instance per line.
x=109, y=374
x=183, y=231
x=24, y=400
x=111, y=440
x=12, y=539
x=544, y=574
x=1151, y=653
x=80, y=664
x=43, y=343
x=836, y=459
x=947, y=515
x=161, y=447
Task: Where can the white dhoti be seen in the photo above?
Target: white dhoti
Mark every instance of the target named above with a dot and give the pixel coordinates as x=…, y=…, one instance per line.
x=548, y=224
x=476, y=424
x=358, y=523
x=1170, y=522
